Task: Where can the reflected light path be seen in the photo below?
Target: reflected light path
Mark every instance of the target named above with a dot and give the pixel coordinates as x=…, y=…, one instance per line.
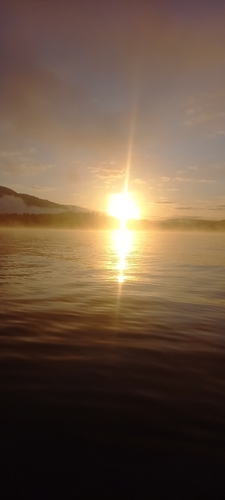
x=123, y=242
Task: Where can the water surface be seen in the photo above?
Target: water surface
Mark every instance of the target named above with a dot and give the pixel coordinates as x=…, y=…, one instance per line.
x=119, y=336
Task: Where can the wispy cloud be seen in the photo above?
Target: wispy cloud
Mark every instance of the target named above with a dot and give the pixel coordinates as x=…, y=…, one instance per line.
x=218, y=208
x=193, y=179
x=43, y=189
x=164, y=202
x=138, y=181
x=185, y=207
x=108, y=172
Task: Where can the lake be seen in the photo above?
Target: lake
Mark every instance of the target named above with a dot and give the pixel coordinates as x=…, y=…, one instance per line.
x=112, y=349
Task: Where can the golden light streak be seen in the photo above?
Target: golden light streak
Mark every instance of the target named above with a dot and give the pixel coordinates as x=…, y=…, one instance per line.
x=123, y=241
x=123, y=206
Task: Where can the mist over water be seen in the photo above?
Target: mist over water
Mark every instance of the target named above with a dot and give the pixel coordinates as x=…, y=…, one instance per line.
x=129, y=344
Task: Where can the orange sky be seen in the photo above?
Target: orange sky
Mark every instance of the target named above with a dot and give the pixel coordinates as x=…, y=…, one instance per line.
x=88, y=87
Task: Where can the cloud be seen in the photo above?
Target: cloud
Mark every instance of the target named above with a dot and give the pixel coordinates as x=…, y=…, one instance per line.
x=188, y=217
x=185, y=207
x=218, y=132
x=193, y=179
x=206, y=172
x=164, y=202
x=43, y=189
x=10, y=154
x=218, y=208
x=138, y=181
x=108, y=171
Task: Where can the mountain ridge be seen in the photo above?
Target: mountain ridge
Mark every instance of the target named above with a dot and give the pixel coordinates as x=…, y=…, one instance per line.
x=13, y=202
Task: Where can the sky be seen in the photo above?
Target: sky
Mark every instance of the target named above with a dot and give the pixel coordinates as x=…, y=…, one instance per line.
x=92, y=89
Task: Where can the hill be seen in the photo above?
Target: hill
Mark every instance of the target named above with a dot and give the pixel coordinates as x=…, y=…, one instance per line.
x=12, y=202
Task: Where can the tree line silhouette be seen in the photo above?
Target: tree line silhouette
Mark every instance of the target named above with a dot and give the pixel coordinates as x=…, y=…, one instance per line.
x=93, y=220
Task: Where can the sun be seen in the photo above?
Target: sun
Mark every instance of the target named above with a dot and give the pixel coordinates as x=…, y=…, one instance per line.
x=123, y=207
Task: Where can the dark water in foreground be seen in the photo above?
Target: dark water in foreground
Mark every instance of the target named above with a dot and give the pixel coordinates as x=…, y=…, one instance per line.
x=112, y=370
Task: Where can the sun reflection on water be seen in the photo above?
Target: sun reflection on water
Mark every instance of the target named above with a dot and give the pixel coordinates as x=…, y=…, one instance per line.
x=123, y=242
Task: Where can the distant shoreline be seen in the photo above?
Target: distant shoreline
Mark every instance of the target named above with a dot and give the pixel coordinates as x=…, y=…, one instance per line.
x=71, y=220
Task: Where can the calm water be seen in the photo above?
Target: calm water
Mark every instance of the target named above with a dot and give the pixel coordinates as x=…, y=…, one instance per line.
x=126, y=335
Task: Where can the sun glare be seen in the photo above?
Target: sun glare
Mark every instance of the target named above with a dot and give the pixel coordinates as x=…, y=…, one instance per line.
x=123, y=207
